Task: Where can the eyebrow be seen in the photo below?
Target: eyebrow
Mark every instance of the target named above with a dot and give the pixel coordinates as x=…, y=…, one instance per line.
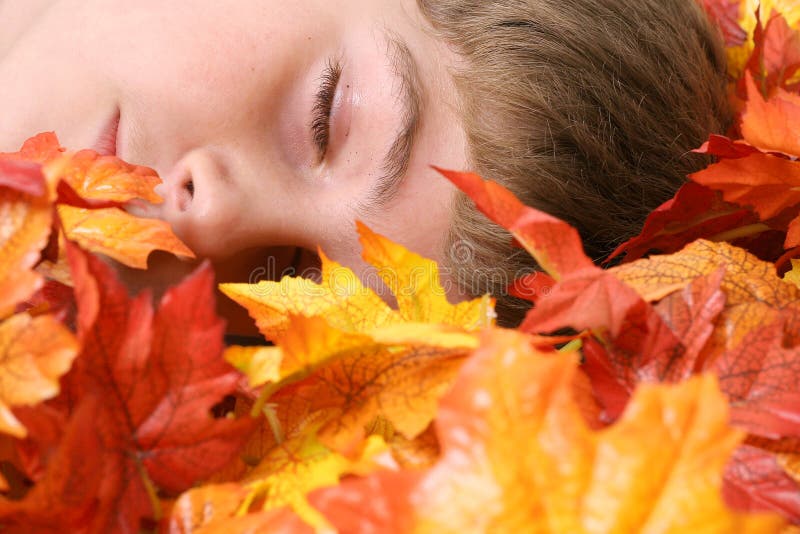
x=409, y=96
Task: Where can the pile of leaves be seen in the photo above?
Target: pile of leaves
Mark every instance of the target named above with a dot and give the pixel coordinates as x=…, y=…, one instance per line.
x=671, y=404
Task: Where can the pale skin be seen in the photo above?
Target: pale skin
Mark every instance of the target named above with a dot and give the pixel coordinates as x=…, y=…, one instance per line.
x=220, y=97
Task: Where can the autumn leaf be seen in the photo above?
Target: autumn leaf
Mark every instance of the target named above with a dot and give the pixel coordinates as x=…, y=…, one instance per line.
x=763, y=181
x=66, y=495
x=27, y=221
x=96, y=177
x=658, y=469
x=772, y=125
x=725, y=13
x=766, y=45
x=283, y=478
x=119, y=235
x=348, y=306
x=34, y=353
x=157, y=376
x=40, y=148
x=554, y=244
x=775, y=57
x=694, y=212
x=344, y=358
x=341, y=381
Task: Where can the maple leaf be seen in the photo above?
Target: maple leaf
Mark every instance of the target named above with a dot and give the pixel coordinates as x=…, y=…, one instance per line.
x=96, y=177
x=694, y=212
x=776, y=52
x=283, y=478
x=766, y=45
x=119, y=235
x=659, y=468
x=88, y=189
x=34, y=353
x=725, y=13
x=555, y=245
x=40, y=148
x=347, y=305
x=157, y=376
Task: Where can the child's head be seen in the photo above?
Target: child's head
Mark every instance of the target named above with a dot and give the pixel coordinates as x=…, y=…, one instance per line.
x=586, y=109
x=278, y=123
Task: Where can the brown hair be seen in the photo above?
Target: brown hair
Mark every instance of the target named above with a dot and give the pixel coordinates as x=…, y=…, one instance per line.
x=585, y=109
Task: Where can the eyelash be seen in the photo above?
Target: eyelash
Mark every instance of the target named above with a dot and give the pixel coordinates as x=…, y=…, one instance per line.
x=323, y=103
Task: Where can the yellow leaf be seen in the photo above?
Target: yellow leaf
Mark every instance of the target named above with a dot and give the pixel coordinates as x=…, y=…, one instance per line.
x=120, y=236
x=259, y=364
x=347, y=305
x=414, y=282
x=34, y=353
x=793, y=276
x=517, y=456
x=753, y=291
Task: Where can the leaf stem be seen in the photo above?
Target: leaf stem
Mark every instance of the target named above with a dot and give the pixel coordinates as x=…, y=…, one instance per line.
x=743, y=231
x=572, y=346
x=150, y=488
x=274, y=424
x=266, y=392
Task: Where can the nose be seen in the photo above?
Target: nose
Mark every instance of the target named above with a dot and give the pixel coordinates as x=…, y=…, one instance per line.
x=200, y=203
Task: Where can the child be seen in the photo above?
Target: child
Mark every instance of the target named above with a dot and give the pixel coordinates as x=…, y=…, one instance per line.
x=276, y=124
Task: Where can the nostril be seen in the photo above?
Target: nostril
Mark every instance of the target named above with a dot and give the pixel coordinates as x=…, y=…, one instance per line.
x=185, y=194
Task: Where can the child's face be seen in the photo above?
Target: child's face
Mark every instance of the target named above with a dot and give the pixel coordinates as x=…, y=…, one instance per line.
x=221, y=98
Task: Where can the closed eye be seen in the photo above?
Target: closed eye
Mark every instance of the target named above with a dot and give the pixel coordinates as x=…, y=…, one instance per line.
x=323, y=103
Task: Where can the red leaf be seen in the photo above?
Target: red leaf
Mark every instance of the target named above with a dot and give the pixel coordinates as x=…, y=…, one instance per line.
x=56, y=501
x=776, y=54
x=767, y=183
x=725, y=13
x=532, y=286
x=23, y=176
x=760, y=378
x=755, y=482
x=158, y=376
x=40, y=148
x=554, y=244
x=695, y=212
x=724, y=147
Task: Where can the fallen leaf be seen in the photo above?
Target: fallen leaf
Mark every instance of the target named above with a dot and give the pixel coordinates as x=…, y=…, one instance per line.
x=65, y=498
x=34, y=353
x=348, y=306
x=40, y=148
x=765, y=182
x=119, y=235
x=694, y=212
x=658, y=469
x=24, y=233
x=775, y=57
x=725, y=13
x=772, y=125
x=156, y=376
x=554, y=244
x=341, y=381
x=108, y=178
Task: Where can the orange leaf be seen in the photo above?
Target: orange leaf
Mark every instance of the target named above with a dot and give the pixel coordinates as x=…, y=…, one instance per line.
x=24, y=233
x=772, y=125
x=121, y=236
x=768, y=183
x=40, y=148
x=93, y=176
x=34, y=353
x=554, y=244
x=517, y=454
